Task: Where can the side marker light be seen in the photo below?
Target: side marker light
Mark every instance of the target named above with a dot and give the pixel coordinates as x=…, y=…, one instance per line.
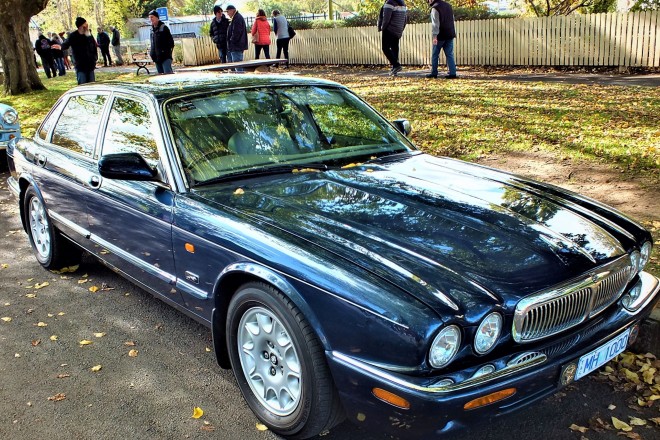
x=490, y=398
x=391, y=398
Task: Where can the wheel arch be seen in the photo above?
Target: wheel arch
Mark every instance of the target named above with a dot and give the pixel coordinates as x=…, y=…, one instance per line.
x=228, y=283
x=25, y=182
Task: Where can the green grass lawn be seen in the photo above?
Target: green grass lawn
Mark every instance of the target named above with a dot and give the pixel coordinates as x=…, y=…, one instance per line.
x=465, y=119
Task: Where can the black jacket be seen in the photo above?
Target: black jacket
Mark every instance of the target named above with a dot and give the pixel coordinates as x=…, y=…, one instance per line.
x=42, y=47
x=162, y=43
x=237, y=34
x=218, y=31
x=115, y=37
x=446, y=30
x=84, y=50
x=103, y=39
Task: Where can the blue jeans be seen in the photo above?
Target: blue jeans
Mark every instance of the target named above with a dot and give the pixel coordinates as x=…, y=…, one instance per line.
x=448, y=47
x=222, y=54
x=165, y=66
x=59, y=62
x=234, y=56
x=85, y=77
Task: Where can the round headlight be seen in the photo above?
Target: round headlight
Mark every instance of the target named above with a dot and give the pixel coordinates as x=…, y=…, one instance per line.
x=487, y=333
x=445, y=346
x=635, y=258
x=645, y=255
x=10, y=117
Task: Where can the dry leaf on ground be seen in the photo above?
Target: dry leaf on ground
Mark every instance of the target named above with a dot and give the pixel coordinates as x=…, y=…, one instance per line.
x=57, y=397
x=197, y=412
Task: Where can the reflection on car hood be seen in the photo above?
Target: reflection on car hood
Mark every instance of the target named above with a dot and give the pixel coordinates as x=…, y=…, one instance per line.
x=450, y=233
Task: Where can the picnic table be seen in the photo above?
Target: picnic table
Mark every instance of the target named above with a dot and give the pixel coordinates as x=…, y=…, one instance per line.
x=260, y=65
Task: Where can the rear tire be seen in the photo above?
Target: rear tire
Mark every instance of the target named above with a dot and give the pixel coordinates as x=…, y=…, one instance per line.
x=280, y=364
x=51, y=249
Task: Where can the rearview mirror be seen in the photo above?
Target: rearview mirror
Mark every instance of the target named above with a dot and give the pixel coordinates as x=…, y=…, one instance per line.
x=403, y=125
x=126, y=166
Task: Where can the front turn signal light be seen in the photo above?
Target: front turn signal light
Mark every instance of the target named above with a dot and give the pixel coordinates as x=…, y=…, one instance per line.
x=391, y=398
x=490, y=398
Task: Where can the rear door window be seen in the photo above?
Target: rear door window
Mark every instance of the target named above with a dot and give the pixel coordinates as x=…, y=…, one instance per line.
x=79, y=124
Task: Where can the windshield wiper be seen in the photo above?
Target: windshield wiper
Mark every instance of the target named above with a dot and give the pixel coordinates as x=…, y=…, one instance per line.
x=263, y=171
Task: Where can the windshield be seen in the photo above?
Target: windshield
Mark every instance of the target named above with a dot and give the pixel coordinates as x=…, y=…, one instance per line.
x=228, y=133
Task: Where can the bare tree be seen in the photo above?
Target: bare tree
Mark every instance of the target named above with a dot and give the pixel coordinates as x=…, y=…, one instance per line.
x=15, y=45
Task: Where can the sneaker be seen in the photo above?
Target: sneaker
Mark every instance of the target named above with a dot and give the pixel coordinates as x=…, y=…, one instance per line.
x=451, y=77
x=396, y=70
x=430, y=75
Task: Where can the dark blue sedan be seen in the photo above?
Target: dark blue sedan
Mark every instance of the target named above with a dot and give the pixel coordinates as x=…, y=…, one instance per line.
x=343, y=272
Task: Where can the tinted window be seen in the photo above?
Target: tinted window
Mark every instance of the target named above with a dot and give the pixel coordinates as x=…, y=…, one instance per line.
x=79, y=123
x=129, y=130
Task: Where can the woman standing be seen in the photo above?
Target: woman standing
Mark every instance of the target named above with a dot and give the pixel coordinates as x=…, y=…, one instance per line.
x=261, y=35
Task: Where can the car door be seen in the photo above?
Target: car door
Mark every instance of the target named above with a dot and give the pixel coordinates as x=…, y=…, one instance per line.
x=64, y=163
x=131, y=221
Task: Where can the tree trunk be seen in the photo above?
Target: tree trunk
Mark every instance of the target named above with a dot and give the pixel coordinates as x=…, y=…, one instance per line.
x=20, y=70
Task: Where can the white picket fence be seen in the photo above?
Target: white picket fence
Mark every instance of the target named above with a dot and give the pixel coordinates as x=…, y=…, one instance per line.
x=613, y=39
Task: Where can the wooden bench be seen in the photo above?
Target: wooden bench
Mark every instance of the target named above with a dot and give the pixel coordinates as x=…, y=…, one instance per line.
x=141, y=60
x=250, y=66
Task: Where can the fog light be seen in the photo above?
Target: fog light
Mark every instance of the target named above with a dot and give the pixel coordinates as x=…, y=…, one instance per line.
x=486, y=369
x=568, y=373
x=391, y=398
x=490, y=398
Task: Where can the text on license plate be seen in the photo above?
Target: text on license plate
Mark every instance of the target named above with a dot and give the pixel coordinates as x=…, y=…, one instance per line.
x=598, y=357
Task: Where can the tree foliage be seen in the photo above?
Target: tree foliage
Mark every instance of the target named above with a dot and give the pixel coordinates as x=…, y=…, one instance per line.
x=548, y=8
x=646, y=5
x=198, y=7
x=287, y=8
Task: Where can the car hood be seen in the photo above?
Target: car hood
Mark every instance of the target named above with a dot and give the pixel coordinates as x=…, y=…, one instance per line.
x=456, y=236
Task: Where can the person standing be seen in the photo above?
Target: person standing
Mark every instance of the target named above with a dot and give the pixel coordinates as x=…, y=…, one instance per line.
x=116, y=45
x=392, y=22
x=218, y=32
x=83, y=47
x=261, y=35
x=58, y=53
x=281, y=29
x=65, y=53
x=237, y=41
x=443, y=33
x=162, y=44
x=104, y=44
x=43, y=48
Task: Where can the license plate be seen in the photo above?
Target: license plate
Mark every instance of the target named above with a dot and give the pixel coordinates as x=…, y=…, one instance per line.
x=600, y=356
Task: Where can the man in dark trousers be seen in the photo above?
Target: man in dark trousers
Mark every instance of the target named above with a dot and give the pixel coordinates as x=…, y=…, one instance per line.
x=104, y=44
x=444, y=33
x=237, y=41
x=43, y=48
x=391, y=22
x=162, y=44
x=218, y=32
x=83, y=46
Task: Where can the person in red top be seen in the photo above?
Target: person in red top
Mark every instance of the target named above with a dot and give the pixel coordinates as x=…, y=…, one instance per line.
x=261, y=35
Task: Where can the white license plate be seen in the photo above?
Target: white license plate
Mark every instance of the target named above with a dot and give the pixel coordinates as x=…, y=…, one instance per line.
x=600, y=356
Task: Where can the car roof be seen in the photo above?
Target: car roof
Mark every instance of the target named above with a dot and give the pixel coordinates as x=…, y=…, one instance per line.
x=162, y=87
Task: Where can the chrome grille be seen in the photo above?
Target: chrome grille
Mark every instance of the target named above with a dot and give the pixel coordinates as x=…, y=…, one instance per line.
x=550, y=312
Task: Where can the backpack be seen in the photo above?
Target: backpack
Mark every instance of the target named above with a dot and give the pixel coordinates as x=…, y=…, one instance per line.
x=45, y=45
x=291, y=32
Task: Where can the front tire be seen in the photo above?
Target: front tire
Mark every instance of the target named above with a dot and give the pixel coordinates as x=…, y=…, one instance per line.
x=51, y=249
x=279, y=363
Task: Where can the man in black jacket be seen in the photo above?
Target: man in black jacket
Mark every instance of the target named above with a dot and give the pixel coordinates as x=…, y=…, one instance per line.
x=162, y=44
x=43, y=48
x=392, y=21
x=444, y=33
x=237, y=41
x=83, y=46
x=218, y=32
x=104, y=44
x=116, y=45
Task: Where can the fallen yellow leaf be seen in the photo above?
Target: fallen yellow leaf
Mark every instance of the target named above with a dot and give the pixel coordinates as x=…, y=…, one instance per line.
x=133, y=353
x=53, y=338
x=129, y=343
x=61, y=314
x=575, y=427
x=94, y=289
x=636, y=421
x=85, y=342
x=99, y=335
x=621, y=425
x=197, y=412
x=41, y=324
x=42, y=285
x=6, y=319
x=4, y=265
x=239, y=191
x=83, y=281
x=262, y=427
x=96, y=368
x=208, y=349
x=30, y=295
x=50, y=315
x=57, y=397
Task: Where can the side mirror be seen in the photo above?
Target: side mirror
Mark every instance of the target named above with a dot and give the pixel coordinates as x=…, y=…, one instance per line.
x=403, y=125
x=126, y=166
